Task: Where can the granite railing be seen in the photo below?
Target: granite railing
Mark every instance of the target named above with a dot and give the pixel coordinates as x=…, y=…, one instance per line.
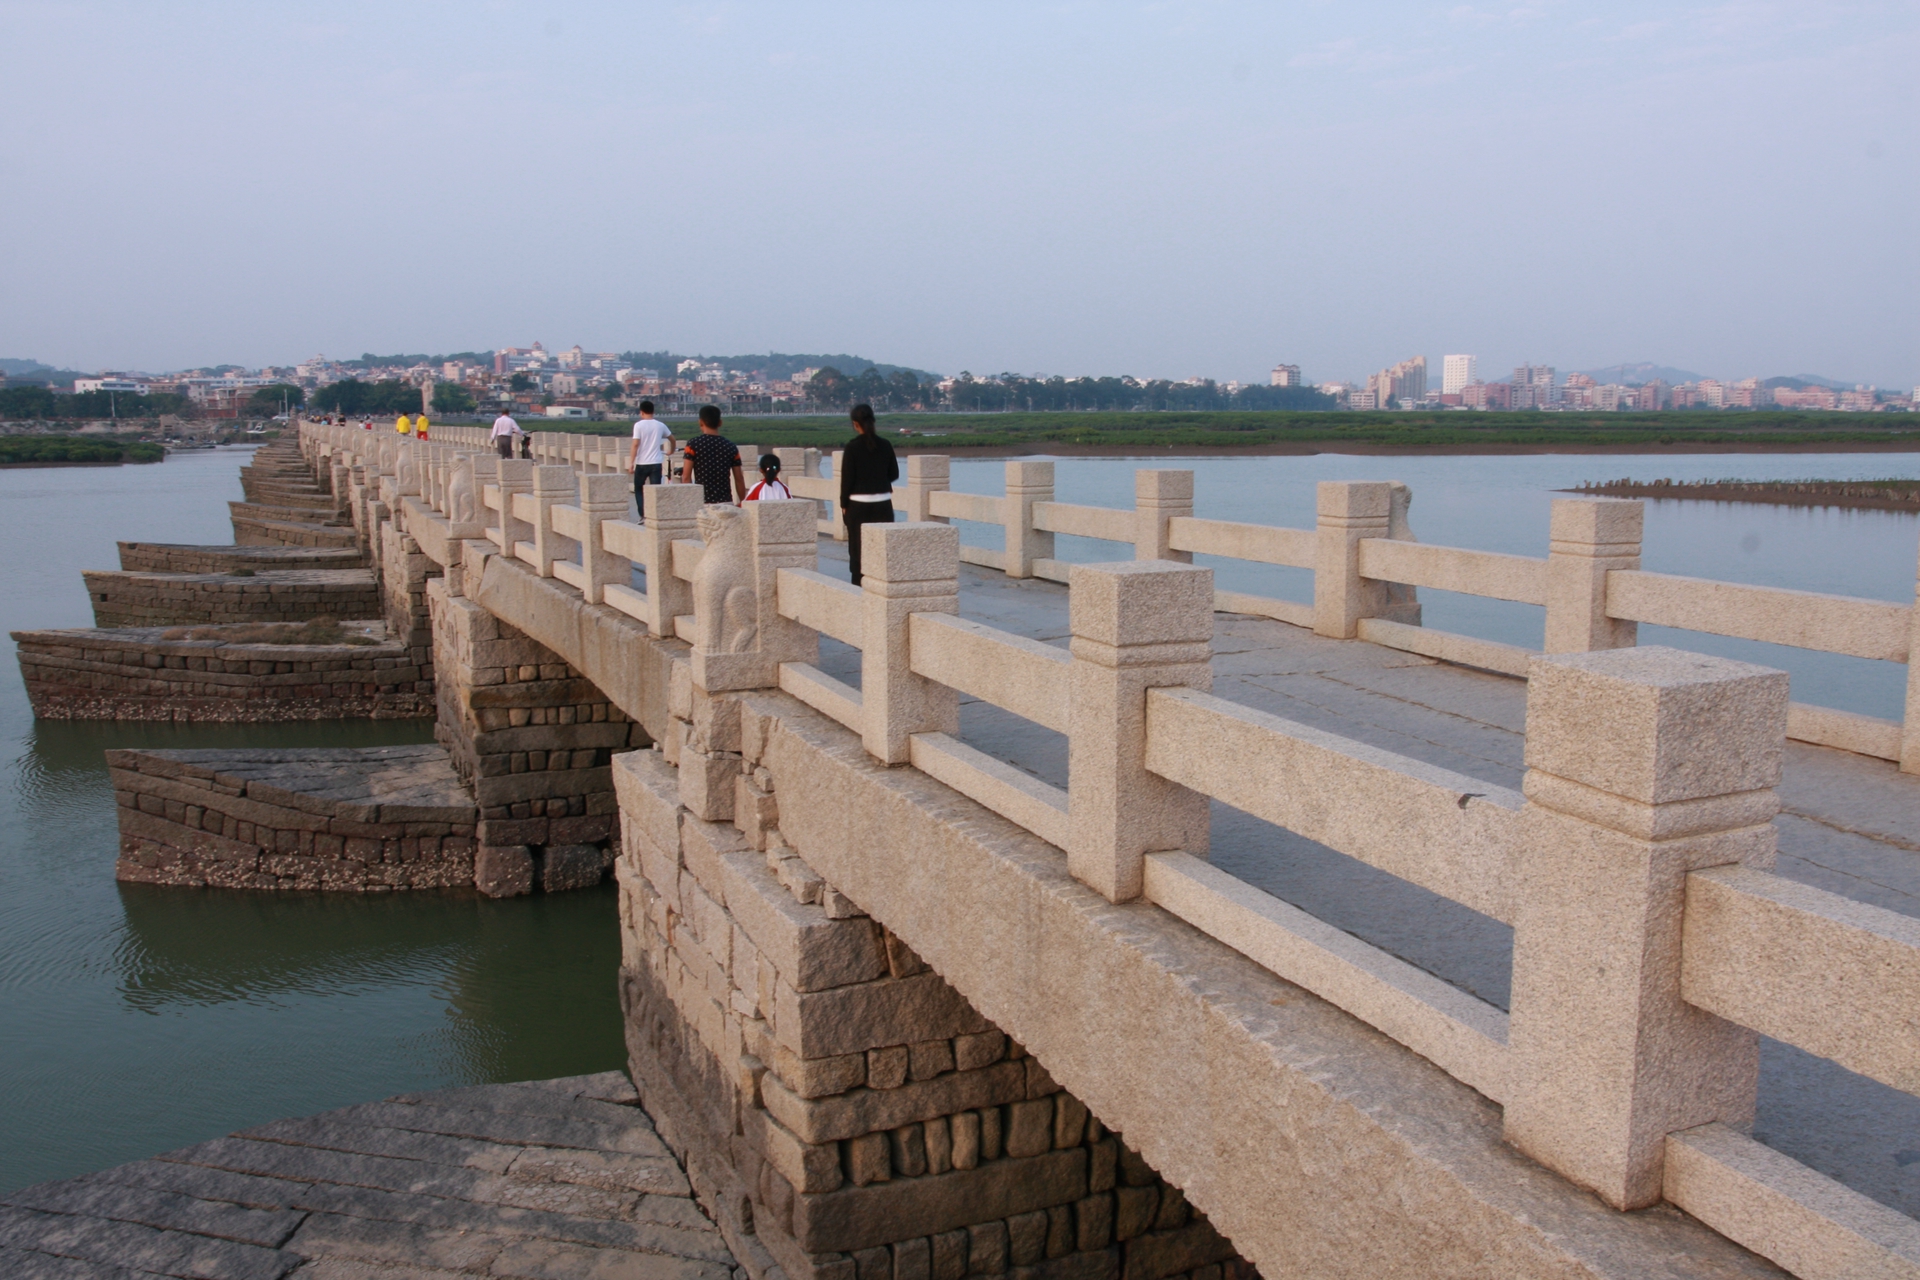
x=1653, y=945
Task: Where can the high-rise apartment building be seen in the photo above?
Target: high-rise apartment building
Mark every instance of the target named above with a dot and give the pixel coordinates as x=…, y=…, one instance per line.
x=1403, y=383
x=1457, y=372
x=1541, y=378
x=1286, y=375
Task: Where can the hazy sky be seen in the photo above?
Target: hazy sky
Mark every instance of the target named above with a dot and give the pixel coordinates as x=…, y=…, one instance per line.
x=1160, y=189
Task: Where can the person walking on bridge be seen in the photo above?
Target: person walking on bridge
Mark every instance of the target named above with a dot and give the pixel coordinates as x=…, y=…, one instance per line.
x=403, y=424
x=867, y=472
x=504, y=430
x=651, y=440
x=714, y=460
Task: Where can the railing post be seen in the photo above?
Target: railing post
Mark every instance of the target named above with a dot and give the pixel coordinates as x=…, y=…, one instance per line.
x=673, y=512
x=927, y=474
x=516, y=476
x=1910, y=729
x=905, y=569
x=1159, y=496
x=552, y=486
x=740, y=637
x=1642, y=765
x=1348, y=511
x=834, y=514
x=1027, y=483
x=1591, y=538
x=602, y=498
x=1136, y=626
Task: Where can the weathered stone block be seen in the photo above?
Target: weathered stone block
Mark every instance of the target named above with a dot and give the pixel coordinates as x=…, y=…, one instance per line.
x=503, y=871
x=820, y=1024
x=571, y=866
x=853, y=1219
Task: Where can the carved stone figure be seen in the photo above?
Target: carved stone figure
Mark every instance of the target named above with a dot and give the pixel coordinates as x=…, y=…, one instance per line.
x=462, y=504
x=725, y=598
x=1403, y=602
x=407, y=472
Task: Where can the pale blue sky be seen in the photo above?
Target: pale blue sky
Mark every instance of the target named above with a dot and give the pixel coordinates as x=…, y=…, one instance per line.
x=1160, y=189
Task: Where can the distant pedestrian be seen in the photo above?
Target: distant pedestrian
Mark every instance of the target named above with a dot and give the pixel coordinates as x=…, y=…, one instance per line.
x=504, y=430
x=403, y=424
x=651, y=440
x=770, y=489
x=867, y=472
x=364, y=426
x=420, y=427
x=713, y=460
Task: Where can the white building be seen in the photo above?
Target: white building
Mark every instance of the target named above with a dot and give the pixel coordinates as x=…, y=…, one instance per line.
x=1286, y=375
x=83, y=385
x=1457, y=373
x=565, y=411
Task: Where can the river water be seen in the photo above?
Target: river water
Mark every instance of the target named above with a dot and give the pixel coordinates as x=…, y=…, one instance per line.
x=134, y=1019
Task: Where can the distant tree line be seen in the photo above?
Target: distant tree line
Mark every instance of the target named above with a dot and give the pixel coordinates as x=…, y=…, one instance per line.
x=355, y=398
x=1011, y=393
x=37, y=402
x=39, y=450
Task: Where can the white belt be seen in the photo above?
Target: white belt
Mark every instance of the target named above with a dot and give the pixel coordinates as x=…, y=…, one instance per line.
x=869, y=497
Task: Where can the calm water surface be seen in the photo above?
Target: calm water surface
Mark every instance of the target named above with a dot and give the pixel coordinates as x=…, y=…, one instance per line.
x=134, y=1019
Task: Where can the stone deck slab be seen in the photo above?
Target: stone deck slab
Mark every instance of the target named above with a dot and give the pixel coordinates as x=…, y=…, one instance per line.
x=549, y=1178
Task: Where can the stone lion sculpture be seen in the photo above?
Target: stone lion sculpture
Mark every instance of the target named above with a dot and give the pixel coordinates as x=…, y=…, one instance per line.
x=725, y=595
x=462, y=505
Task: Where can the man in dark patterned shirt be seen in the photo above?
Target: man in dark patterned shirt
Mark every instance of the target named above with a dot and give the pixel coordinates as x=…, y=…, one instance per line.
x=713, y=460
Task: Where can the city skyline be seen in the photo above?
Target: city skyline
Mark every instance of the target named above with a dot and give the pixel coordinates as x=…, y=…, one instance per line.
x=1175, y=189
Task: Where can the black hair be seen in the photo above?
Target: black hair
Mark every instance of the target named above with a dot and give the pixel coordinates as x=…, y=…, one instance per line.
x=862, y=415
x=709, y=415
x=646, y=406
x=770, y=462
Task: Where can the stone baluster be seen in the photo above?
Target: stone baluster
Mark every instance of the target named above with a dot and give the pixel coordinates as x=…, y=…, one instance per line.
x=1027, y=483
x=740, y=637
x=905, y=569
x=1642, y=765
x=673, y=512
x=927, y=474
x=1591, y=538
x=1159, y=496
x=1348, y=511
x=834, y=514
x=516, y=477
x=602, y=498
x=812, y=467
x=553, y=485
x=1136, y=626
x=1910, y=729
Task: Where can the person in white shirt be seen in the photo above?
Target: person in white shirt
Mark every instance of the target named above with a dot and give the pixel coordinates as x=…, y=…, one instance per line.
x=504, y=430
x=770, y=489
x=651, y=440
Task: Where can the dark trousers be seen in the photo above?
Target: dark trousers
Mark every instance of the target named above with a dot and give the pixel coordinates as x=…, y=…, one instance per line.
x=642, y=477
x=505, y=445
x=857, y=515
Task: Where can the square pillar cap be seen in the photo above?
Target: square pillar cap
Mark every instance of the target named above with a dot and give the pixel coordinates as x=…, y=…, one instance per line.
x=1656, y=725
x=911, y=551
x=1136, y=602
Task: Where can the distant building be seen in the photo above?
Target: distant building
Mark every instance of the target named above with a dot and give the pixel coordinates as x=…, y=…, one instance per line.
x=1403, y=383
x=1749, y=393
x=1540, y=377
x=1456, y=372
x=566, y=411
x=83, y=385
x=1858, y=400
x=1287, y=375
x=1358, y=399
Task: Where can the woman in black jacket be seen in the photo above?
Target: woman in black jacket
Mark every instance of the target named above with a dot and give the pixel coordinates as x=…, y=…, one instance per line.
x=867, y=472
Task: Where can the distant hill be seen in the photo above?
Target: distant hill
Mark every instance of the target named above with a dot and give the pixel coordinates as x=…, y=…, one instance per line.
x=34, y=371
x=1801, y=381
x=1633, y=375
x=774, y=365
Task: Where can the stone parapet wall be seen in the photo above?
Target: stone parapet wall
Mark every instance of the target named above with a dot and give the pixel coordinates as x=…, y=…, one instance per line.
x=831, y=1094
x=369, y=819
x=251, y=530
x=135, y=674
x=175, y=557
x=534, y=741
x=122, y=599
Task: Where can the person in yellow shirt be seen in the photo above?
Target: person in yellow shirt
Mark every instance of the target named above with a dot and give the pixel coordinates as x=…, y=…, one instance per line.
x=420, y=427
x=403, y=425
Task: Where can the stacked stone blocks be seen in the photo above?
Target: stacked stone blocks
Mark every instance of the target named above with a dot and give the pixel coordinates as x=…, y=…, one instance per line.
x=296, y=595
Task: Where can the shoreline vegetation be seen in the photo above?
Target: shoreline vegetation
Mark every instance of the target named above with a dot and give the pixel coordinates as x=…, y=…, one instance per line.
x=1229, y=433
x=1871, y=495
x=76, y=451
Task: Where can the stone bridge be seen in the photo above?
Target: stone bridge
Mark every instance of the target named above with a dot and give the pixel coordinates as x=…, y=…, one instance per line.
x=1137, y=929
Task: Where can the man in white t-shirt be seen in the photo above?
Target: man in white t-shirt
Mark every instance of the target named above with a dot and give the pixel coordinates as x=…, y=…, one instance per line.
x=504, y=430
x=650, y=443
